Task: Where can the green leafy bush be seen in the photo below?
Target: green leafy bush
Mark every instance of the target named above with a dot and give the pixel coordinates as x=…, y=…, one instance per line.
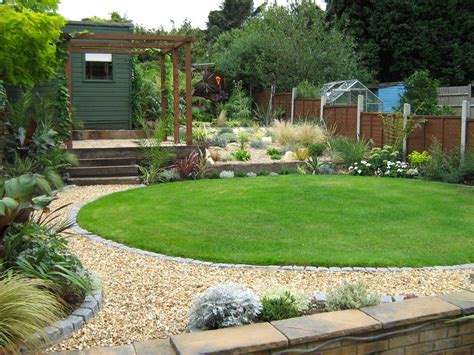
x=38, y=252
x=348, y=149
x=307, y=90
x=316, y=150
x=450, y=167
x=419, y=159
x=242, y=155
x=26, y=307
x=238, y=107
x=351, y=295
x=379, y=157
x=281, y=307
x=274, y=153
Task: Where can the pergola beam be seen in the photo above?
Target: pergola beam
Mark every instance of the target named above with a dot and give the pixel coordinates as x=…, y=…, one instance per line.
x=84, y=44
x=127, y=37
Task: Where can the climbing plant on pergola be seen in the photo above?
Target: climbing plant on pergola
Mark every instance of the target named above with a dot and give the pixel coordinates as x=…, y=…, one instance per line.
x=137, y=44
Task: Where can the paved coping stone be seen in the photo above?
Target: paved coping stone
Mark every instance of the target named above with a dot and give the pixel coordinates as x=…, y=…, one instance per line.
x=77, y=229
x=244, y=339
x=411, y=311
x=325, y=326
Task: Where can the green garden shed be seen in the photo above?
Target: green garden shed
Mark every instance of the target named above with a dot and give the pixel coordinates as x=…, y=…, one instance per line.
x=101, y=82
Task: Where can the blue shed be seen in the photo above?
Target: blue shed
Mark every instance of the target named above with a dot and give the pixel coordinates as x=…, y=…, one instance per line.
x=390, y=94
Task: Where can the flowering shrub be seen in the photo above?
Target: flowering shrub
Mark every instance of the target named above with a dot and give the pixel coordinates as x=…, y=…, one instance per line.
x=222, y=306
x=383, y=162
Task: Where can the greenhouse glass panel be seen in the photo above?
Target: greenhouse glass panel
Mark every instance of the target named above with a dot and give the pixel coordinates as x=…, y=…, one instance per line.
x=345, y=92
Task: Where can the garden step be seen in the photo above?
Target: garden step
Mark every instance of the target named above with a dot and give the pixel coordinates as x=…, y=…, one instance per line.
x=99, y=171
x=107, y=161
x=109, y=180
x=100, y=153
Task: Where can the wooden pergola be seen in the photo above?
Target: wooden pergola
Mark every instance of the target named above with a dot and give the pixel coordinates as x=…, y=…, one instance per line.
x=137, y=44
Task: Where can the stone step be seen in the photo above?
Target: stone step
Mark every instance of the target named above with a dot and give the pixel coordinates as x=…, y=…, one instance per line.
x=107, y=161
x=109, y=180
x=102, y=171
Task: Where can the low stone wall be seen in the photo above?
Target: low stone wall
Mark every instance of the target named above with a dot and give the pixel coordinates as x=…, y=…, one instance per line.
x=257, y=168
x=410, y=327
x=415, y=326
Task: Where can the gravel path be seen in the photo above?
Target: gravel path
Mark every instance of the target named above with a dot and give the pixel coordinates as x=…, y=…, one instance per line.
x=149, y=298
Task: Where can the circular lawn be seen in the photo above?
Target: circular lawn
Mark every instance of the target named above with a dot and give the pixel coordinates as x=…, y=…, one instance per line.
x=294, y=220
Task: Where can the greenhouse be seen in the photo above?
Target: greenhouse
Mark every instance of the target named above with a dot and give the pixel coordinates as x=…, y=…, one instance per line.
x=345, y=92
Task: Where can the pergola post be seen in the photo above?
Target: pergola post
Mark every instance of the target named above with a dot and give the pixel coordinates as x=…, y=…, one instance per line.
x=175, y=95
x=68, y=74
x=164, y=102
x=189, y=95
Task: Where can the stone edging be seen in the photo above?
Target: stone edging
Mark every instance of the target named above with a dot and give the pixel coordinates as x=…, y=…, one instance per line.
x=61, y=329
x=77, y=229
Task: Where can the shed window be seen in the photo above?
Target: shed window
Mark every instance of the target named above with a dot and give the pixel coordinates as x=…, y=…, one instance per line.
x=98, y=66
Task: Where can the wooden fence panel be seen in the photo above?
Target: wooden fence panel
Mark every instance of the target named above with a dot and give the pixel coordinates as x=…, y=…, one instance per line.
x=341, y=119
x=470, y=134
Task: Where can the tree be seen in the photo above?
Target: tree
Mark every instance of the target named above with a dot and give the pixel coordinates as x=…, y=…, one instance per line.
x=29, y=31
x=286, y=46
x=232, y=14
x=396, y=37
x=114, y=17
x=422, y=94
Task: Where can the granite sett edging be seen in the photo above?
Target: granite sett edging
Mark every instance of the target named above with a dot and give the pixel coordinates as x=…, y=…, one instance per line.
x=77, y=229
x=61, y=329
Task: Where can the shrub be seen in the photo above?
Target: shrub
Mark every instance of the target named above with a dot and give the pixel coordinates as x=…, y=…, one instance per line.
x=307, y=90
x=419, y=159
x=450, y=167
x=26, y=307
x=219, y=141
x=316, y=150
x=348, y=149
x=222, y=306
x=379, y=157
x=351, y=295
x=280, y=307
x=229, y=137
x=274, y=153
x=225, y=130
x=168, y=175
x=301, y=154
x=226, y=174
x=251, y=174
x=188, y=167
x=242, y=155
x=39, y=252
x=257, y=144
x=304, y=133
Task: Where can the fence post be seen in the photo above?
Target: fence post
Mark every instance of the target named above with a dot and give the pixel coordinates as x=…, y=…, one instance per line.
x=321, y=111
x=464, y=113
x=293, y=98
x=406, y=113
x=360, y=108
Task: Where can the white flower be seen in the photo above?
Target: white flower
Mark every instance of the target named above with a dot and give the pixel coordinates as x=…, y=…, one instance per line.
x=368, y=165
x=355, y=163
x=351, y=168
x=364, y=162
x=359, y=171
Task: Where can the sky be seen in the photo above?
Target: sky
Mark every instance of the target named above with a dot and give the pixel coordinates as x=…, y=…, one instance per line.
x=150, y=13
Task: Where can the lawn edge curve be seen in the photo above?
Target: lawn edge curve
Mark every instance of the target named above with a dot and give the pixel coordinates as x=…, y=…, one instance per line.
x=81, y=231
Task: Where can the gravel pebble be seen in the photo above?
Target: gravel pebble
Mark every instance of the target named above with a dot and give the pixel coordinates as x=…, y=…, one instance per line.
x=149, y=298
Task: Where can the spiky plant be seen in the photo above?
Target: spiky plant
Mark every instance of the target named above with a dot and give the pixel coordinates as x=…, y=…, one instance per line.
x=26, y=307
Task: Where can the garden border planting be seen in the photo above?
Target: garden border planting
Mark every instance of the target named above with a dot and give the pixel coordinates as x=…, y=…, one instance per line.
x=79, y=230
x=88, y=309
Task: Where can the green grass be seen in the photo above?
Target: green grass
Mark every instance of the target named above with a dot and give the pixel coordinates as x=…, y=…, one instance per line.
x=294, y=220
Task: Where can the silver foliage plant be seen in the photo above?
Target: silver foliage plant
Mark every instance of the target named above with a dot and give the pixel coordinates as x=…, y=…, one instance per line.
x=222, y=306
x=351, y=295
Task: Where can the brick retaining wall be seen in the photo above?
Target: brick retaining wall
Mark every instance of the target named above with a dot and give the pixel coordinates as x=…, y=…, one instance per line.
x=416, y=326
